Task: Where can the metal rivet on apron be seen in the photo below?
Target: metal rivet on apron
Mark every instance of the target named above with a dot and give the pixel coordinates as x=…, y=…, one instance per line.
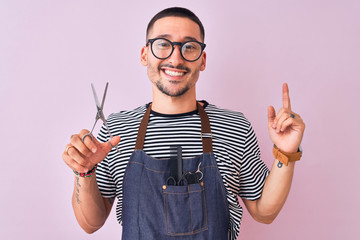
x=164, y=187
x=202, y=184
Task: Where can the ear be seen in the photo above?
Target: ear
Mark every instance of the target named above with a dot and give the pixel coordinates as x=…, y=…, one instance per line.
x=143, y=57
x=203, y=61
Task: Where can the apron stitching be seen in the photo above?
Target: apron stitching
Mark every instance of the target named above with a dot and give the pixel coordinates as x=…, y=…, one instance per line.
x=191, y=222
x=184, y=192
x=204, y=208
x=166, y=213
x=189, y=233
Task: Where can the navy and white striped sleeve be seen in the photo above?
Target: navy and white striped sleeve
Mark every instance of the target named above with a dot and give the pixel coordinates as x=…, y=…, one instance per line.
x=104, y=179
x=253, y=171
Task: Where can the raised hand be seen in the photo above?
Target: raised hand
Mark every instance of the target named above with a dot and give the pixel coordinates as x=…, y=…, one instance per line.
x=286, y=128
x=83, y=156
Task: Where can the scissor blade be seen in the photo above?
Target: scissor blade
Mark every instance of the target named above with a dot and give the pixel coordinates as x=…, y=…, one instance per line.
x=95, y=97
x=103, y=100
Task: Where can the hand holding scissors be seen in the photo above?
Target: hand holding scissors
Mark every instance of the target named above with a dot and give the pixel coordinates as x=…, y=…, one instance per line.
x=83, y=153
x=100, y=115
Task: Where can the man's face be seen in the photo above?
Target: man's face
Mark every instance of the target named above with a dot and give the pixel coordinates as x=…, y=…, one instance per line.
x=173, y=76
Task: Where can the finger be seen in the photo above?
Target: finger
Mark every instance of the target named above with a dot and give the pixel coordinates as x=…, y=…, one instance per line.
x=278, y=116
x=114, y=140
x=89, y=140
x=286, y=97
x=74, y=154
x=271, y=115
x=67, y=147
x=79, y=145
x=284, y=117
x=73, y=164
x=287, y=123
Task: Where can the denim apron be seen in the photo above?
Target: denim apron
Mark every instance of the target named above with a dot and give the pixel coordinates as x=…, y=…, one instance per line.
x=155, y=210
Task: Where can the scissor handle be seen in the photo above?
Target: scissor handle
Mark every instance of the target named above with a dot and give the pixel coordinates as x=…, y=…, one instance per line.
x=89, y=134
x=117, y=149
x=198, y=171
x=92, y=138
x=202, y=175
x=171, y=181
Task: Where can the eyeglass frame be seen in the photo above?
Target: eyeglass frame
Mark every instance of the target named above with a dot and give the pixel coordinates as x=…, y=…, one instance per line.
x=173, y=44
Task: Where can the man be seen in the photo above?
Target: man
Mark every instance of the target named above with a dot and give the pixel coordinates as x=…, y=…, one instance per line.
x=221, y=157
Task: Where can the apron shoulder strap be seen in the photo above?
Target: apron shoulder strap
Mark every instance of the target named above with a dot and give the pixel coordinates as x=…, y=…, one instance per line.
x=206, y=134
x=142, y=129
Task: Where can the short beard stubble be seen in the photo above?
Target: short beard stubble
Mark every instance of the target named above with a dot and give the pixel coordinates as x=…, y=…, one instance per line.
x=165, y=90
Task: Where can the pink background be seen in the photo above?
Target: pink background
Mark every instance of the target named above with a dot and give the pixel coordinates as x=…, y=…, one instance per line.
x=50, y=52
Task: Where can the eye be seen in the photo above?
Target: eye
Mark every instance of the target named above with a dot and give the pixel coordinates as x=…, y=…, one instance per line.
x=161, y=43
x=191, y=46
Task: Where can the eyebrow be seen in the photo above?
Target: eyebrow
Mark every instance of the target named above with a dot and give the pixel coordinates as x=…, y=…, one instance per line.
x=187, y=38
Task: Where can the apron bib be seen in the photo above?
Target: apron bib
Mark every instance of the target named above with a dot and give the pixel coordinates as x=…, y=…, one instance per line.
x=153, y=209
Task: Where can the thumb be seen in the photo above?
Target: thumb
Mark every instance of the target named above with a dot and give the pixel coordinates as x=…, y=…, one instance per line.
x=271, y=114
x=111, y=143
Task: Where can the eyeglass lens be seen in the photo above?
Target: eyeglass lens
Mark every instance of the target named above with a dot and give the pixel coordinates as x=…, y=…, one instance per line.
x=163, y=48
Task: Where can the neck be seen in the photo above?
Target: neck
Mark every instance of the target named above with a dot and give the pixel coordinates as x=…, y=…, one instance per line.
x=174, y=105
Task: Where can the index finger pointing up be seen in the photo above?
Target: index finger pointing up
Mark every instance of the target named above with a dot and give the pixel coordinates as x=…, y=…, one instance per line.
x=286, y=97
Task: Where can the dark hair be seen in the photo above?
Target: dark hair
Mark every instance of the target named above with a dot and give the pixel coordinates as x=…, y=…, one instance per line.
x=176, y=12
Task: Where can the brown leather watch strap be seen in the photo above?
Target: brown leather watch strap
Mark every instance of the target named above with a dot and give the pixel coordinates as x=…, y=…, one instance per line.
x=285, y=158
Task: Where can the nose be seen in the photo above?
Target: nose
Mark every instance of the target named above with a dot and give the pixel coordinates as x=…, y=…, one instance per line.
x=176, y=58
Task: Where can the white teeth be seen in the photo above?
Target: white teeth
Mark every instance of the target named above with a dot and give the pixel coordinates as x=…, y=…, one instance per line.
x=173, y=73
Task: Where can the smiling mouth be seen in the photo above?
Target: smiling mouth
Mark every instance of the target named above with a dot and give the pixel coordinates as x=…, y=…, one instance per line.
x=173, y=73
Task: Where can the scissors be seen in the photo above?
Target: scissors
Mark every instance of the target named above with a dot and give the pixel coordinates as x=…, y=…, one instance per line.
x=189, y=178
x=100, y=115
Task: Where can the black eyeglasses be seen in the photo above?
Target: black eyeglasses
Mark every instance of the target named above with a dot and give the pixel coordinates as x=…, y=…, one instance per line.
x=162, y=48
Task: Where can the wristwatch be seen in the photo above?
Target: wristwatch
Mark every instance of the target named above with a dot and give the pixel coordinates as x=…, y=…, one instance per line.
x=285, y=158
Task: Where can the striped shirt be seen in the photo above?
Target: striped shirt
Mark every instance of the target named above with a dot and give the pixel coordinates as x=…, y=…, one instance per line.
x=234, y=145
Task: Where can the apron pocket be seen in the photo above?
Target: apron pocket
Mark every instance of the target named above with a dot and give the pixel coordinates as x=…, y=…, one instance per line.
x=185, y=209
